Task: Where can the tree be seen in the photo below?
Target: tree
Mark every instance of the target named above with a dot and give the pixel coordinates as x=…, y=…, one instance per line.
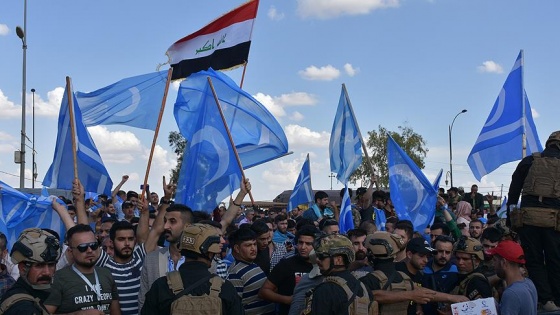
x=412, y=143
x=178, y=143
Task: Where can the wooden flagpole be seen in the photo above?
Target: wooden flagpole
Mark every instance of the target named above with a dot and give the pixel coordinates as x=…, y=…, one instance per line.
x=368, y=163
x=161, y=110
x=243, y=75
x=230, y=138
x=70, y=97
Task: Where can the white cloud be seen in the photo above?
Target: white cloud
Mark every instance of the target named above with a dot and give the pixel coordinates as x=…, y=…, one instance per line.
x=7, y=148
x=297, y=116
x=535, y=113
x=4, y=30
x=120, y=147
x=490, y=66
x=282, y=175
x=49, y=107
x=304, y=137
x=325, y=9
x=274, y=15
x=296, y=98
x=271, y=104
x=8, y=108
x=351, y=71
x=326, y=73
x=4, y=136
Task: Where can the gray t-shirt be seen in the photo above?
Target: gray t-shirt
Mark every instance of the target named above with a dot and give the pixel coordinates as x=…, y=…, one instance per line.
x=70, y=293
x=519, y=298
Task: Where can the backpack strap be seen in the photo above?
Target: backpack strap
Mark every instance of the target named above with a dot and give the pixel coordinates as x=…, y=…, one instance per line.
x=18, y=297
x=190, y=288
x=343, y=284
x=216, y=286
x=175, y=282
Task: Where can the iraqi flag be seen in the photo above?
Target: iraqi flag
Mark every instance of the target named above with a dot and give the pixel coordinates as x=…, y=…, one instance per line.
x=222, y=44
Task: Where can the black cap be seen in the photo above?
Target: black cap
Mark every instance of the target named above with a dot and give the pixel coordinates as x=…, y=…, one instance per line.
x=419, y=245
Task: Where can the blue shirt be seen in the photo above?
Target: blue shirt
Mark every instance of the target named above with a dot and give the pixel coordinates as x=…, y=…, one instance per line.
x=519, y=298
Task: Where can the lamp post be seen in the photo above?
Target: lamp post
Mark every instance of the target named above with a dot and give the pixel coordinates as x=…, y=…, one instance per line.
x=23, y=36
x=33, y=144
x=450, y=149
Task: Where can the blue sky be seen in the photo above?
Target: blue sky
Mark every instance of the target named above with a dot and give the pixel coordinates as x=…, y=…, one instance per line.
x=404, y=62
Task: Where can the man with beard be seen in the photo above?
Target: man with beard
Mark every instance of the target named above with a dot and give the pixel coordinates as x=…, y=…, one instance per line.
x=475, y=228
x=83, y=286
x=520, y=296
x=279, y=286
x=320, y=208
x=469, y=255
x=166, y=259
x=268, y=252
x=246, y=276
x=440, y=274
x=35, y=252
x=360, y=267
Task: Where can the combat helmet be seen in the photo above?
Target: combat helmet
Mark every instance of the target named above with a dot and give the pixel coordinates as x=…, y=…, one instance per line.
x=36, y=246
x=554, y=137
x=200, y=239
x=504, y=229
x=333, y=245
x=469, y=246
x=384, y=244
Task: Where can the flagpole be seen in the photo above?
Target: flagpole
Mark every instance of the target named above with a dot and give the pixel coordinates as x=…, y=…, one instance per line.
x=161, y=110
x=524, y=137
x=243, y=76
x=359, y=133
x=230, y=138
x=70, y=96
x=310, y=183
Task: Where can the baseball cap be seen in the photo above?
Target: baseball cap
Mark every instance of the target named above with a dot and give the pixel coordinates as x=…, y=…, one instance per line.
x=510, y=251
x=420, y=245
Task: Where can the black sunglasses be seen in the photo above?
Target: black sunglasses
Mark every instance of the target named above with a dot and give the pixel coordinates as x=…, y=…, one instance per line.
x=84, y=247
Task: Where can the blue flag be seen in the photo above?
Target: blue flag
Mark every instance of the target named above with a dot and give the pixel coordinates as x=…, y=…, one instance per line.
x=502, y=212
x=132, y=101
x=302, y=192
x=500, y=140
x=438, y=179
x=412, y=193
x=345, y=146
x=19, y=211
x=91, y=171
x=209, y=172
x=345, y=221
x=257, y=135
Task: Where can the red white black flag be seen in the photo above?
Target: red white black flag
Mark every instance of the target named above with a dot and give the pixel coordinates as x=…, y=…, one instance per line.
x=222, y=44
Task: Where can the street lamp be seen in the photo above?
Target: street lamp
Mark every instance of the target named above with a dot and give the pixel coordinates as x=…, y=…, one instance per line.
x=450, y=149
x=33, y=143
x=22, y=35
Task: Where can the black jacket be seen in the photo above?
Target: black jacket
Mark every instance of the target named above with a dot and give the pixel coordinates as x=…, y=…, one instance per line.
x=25, y=307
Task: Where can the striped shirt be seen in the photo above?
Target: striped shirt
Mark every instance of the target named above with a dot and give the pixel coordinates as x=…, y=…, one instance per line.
x=127, y=278
x=247, y=280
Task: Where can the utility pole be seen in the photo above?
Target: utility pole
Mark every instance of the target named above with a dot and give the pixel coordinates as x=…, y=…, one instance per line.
x=331, y=176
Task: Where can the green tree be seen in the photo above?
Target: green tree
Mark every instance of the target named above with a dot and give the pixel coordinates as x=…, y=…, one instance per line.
x=412, y=143
x=178, y=143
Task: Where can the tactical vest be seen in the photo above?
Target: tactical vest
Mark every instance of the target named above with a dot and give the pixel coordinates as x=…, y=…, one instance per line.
x=461, y=289
x=405, y=285
x=187, y=304
x=18, y=297
x=356, y=305
x=543, y=178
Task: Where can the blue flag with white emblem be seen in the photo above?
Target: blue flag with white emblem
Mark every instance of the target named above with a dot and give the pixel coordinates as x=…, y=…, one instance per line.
x=19, y=211
x=345, y=221
x=91, y=170
x=209, y=172
x=302, y=192
x=412, y=193
x=256, y=133
x=501, y=137
x=345, y=146
x=133, y=101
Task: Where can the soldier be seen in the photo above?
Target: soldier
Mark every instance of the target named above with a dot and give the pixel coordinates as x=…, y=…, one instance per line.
x=36, y=252
x=340, y=292
x=393, y=290
x=469, y=255
x=538, y=219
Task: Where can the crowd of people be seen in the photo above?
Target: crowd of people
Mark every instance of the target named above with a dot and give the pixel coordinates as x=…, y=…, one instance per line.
x=134, y=254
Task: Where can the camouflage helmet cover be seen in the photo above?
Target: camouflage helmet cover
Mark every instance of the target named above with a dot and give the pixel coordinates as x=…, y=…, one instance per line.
x=384, y=244
x=554, y=137
x=200, y=238
x=470, y=246
x=333, y=245
x=36, y=246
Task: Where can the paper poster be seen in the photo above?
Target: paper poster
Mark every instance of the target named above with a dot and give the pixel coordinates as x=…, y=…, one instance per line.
x=477, y=307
